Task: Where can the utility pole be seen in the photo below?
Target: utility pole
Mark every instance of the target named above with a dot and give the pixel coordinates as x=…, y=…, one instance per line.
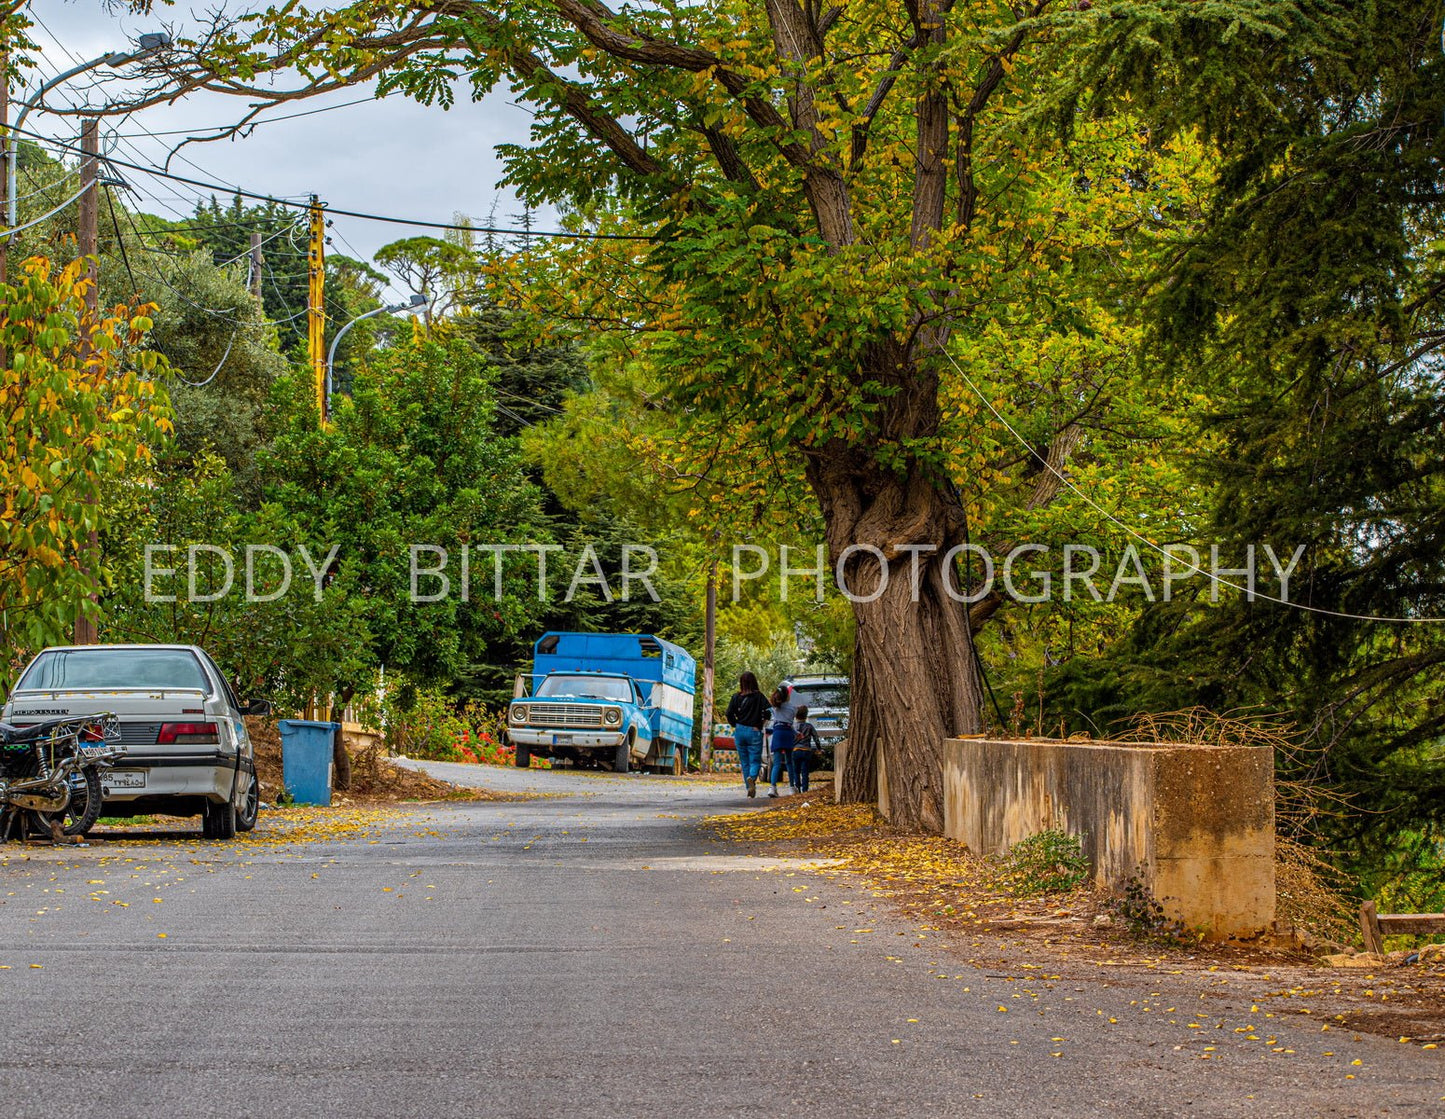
x=88, y=232
x=316, y=303
x=5, y=158
x=87, y=238
x=708, y=683
x=256, y=261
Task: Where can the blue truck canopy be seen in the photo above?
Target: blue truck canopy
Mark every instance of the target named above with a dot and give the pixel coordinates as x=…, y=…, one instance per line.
x=638, y=655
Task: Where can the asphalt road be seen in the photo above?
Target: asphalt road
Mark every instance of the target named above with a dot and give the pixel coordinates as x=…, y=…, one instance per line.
x=590, y=954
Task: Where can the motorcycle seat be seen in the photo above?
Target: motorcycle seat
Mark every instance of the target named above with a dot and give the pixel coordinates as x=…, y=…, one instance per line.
x=11, y=735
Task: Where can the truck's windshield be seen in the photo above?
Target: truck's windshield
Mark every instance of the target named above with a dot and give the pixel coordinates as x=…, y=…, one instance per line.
x=102, y=668
x=588, y=687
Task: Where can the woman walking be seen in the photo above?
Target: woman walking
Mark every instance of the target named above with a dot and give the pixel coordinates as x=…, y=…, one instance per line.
x=747, y=712
x=783, y=711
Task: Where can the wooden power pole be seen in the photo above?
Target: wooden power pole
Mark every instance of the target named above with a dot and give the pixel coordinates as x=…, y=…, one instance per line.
x=87, y=238
x=256, y=262
x=316, y=303
x=5, y=157
x=88, y=230
x=709, y=684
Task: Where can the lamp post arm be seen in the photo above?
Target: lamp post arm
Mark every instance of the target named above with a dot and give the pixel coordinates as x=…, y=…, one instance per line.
x=416, y=301
x=114, y=58
x=12, y=153
x=340, y=334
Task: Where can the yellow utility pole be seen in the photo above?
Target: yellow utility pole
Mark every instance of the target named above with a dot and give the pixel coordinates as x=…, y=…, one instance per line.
x=316, y=303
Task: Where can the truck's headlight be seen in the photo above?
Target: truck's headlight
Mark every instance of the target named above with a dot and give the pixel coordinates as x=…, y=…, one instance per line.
x=518, y=713
x=612, y=716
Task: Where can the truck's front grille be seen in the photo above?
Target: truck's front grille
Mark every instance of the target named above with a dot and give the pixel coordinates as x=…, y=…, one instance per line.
x=564, y=715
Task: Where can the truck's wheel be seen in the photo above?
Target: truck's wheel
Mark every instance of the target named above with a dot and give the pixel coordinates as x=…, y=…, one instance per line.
x=624, y=756
x=679, y=767
x=524, y=757
x=218, y=821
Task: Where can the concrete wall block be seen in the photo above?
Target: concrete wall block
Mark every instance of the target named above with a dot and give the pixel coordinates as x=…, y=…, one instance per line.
x=1197, y=821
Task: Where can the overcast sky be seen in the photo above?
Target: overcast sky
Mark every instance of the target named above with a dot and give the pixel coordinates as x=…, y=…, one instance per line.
x=392, y=157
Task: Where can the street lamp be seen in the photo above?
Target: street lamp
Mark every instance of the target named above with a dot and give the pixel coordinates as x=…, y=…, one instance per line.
x=416, y=301
x=152, y=42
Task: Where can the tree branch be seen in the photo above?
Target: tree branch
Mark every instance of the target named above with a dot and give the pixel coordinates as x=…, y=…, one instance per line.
x=993, y=76
x=880, y=94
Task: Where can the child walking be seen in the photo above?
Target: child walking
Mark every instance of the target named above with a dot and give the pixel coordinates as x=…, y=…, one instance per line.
x=805, y=741
x=783, y=711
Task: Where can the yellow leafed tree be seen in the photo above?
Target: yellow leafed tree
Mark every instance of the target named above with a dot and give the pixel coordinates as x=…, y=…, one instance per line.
x=79, y=411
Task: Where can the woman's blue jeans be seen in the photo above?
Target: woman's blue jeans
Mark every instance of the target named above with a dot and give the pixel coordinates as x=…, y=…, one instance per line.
x=749, y=741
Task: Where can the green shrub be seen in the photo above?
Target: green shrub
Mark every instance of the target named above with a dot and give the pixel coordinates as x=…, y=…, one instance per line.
x=1049, y=862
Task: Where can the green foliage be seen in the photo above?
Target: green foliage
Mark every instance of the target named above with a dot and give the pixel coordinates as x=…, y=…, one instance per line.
x=225, y=231
x=411, y=459
x=223, y=354
x=771, y=663
x=423, y=723
x=1311, y=311
x=437, y=270
x=535, y=373
x=288, y=650
x=1047, y=862
x=1410, y=876
x=74, y=423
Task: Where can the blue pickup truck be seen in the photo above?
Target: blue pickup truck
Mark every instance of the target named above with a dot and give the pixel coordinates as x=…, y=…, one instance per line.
x=620, y=699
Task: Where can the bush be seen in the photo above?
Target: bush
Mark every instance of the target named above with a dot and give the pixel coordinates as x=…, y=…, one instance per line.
x=429, y=726
x=1049, y=862
x=1139, y=911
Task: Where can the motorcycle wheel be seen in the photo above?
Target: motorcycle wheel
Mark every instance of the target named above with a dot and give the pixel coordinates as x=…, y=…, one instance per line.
x=86, y=797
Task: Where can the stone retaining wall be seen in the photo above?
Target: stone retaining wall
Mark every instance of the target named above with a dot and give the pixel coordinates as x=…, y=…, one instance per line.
x=1198, y=820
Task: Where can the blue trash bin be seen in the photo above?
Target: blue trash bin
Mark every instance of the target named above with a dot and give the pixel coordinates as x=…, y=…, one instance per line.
x=306, y=759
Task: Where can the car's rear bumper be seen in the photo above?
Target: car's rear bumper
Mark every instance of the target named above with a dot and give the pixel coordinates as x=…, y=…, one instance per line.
x=146, y=776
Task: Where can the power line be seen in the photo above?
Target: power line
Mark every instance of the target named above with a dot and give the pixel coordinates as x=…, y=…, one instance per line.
x=361, y=214
x=120, y=241
x=255, y=123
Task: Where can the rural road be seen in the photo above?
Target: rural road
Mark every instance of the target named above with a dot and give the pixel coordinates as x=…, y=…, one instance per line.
x=592, y=953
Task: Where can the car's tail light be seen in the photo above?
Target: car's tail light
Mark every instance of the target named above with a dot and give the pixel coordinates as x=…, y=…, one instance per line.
x=187, y=734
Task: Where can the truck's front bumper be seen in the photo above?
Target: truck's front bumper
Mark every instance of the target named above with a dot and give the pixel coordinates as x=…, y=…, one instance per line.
x=546, y=738
x=138, y=776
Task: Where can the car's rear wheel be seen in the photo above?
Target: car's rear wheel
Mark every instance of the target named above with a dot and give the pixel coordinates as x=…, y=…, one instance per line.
x=250, y=804
x=679, y=766
x=218, y=821
x=83, y=810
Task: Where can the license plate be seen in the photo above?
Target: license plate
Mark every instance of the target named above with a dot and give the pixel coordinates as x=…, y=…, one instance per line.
x=559, y=739
x=130, y=780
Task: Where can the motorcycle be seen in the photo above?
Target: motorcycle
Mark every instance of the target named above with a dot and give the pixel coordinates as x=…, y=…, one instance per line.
x=50, y=776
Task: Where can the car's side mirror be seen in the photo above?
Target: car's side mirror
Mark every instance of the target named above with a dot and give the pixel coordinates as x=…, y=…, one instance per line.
x=256, y=707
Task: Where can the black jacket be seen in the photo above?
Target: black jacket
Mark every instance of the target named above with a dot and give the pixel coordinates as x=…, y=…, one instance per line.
x=748, y=709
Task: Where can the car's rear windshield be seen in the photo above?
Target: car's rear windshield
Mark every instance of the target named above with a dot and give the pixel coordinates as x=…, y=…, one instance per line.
x=590, y=687
x=101, y=669
x=821, y=695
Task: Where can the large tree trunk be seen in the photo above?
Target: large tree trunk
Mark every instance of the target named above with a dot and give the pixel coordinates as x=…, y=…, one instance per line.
x=915, y=678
